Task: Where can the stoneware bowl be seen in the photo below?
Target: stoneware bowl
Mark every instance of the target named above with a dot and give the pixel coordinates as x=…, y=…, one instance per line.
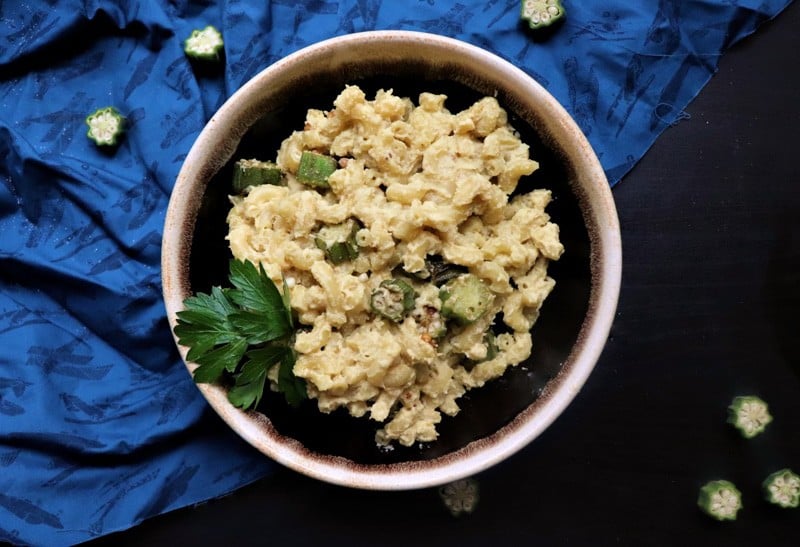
x=507, y=414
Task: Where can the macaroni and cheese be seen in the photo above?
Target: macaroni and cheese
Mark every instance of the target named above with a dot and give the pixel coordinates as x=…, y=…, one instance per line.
x=420, y=184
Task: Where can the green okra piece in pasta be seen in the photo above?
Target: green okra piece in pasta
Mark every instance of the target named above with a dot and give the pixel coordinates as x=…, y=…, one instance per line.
x=465, y=298
x=491, y=345
x=541, y=13
x=720, y=499
x=204, y=44
x=338, y=241
x=106, y=126
x=393, y=299
x=749, y=414
x=315, y=168
x=783, y=488
x=252, y=172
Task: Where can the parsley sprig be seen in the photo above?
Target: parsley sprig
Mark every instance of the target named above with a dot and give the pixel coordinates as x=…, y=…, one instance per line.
x=240, y=332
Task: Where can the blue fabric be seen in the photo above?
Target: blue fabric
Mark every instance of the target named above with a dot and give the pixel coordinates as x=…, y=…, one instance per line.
x=100, y=424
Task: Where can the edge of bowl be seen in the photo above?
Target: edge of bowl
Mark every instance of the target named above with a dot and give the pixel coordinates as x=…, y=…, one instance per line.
x=600, y=214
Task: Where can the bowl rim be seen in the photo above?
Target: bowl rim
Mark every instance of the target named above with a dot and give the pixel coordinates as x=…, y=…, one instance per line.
x=606, y=258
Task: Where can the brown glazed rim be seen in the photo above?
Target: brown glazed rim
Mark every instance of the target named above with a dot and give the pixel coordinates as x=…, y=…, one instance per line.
x=216, y=144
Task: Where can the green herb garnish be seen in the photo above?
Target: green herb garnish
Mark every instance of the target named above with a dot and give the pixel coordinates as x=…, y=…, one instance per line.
x=783, y=488
x=240, y=333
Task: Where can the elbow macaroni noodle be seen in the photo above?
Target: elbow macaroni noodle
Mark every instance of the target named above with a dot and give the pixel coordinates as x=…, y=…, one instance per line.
x=420, y=181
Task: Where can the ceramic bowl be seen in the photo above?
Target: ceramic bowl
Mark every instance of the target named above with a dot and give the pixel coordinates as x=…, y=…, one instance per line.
x=508, y=413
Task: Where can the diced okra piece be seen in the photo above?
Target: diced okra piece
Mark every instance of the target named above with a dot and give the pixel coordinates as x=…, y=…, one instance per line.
x=783, y=488
x=106, y=125
x=338, y=241
x=204, y=44
x=491, y=345
x=252, y=172
x=465, y=298
x=393, y=299
x=720, y=499
x=749, y=414
x=315, y=168
x=541, y=13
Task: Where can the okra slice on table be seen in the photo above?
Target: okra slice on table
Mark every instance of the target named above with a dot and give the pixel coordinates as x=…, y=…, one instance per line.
x=749, y=414
x=204, y=44
x=315, y=168
x=541, y=13
x=720, y=499
x=465, y=298
x=106, y=126
x=338, y=241
x=393, y=299
x=252, y=172
x=782, y=488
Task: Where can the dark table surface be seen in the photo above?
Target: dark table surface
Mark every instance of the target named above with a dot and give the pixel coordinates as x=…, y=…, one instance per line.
x=709, y=309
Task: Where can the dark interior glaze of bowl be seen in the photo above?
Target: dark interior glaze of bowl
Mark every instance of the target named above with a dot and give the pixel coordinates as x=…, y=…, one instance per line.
x=484, y=410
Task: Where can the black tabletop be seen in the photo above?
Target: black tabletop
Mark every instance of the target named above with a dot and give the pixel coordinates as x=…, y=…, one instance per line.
x=709, y=309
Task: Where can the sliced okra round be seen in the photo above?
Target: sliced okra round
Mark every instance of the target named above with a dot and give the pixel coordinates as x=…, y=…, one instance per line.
x=106, y=126
x=204, y=44
x=782, y=488
x=749, y=414
x=720, y=499
x=541, y=13
x=393, y=299
x=465, y=298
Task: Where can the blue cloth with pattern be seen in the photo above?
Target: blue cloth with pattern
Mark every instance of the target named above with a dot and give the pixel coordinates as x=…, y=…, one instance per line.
x=100, y=423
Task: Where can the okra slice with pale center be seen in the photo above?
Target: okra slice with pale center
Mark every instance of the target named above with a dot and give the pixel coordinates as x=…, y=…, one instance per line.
x=720, y=499
x=253, y=172
x=541, y=13
x=783, y=488
x=106, y=125
x=465, y=298
x=749, y=414
x=393, y=299
x=460, y=496
x=315, y=168
x=205, y=44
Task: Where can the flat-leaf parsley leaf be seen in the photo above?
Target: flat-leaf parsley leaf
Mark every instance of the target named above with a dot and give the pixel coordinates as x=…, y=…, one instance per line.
x=293, y=388
x=240, y=333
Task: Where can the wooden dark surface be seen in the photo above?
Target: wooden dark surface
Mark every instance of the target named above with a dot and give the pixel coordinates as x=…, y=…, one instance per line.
x=709, y=309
